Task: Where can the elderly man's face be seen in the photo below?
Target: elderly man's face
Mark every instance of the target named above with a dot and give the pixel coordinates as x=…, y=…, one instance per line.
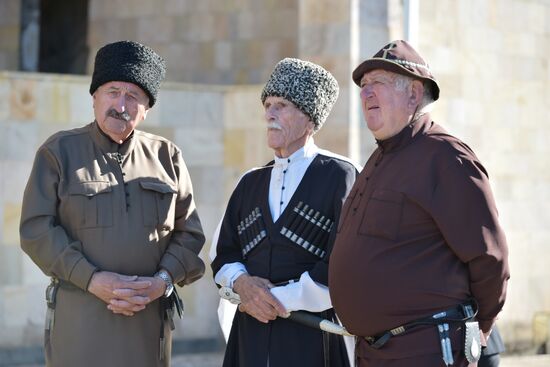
x=288, y=128
x=119, y=107
x=385, y=108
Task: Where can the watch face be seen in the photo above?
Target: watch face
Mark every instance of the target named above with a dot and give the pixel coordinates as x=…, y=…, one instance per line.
x=166, y=278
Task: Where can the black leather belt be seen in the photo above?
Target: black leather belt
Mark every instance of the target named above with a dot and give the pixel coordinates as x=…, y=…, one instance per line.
x=457, y=314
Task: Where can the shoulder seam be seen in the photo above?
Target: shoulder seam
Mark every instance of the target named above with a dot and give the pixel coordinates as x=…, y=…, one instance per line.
x=339, y=157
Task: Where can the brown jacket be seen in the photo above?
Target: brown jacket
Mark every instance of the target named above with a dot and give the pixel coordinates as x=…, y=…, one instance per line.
x=91, y=205
x=419, y=233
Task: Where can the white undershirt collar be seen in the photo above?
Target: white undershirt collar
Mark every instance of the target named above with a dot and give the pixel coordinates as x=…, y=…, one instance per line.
x=286, y=176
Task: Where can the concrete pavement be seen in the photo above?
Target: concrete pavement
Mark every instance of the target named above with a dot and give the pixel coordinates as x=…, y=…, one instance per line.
x=526, y=361
x=198, y=360
x=215, y=360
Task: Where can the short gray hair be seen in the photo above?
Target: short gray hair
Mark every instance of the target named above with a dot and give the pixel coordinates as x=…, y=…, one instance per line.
x=403, y=82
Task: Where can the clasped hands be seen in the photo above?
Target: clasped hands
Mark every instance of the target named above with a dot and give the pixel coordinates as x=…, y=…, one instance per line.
x=125, y=294
x=257, y=299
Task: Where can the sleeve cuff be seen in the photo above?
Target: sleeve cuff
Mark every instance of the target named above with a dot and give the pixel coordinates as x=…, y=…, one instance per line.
x=82, y=274
x=227, y=275
x=304, y=294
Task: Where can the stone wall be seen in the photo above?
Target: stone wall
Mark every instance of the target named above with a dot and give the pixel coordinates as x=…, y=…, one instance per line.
x=493, y=61
x=207, y=41
x=326, y=36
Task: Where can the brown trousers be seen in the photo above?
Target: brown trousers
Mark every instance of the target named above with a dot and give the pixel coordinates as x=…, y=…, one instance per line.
x=431, y=360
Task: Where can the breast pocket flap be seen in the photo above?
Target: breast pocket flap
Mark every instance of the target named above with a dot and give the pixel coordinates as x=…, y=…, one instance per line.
x=388, y=196
x=91, y=203
x=159, y=187
x=90, y=188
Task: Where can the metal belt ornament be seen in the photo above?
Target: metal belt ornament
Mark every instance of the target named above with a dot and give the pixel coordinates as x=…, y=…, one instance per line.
x=463, y=313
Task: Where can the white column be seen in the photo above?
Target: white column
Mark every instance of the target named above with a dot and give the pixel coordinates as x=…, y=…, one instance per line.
x=354, y=137
x=410, y=13
x=30, y=35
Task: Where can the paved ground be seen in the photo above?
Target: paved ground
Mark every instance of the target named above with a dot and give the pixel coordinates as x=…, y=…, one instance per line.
x=526, y=361
x=182, y=360
x=215, y=360
x=197, y=360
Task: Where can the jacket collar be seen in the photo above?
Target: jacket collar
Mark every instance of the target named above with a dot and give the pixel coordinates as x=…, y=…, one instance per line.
x=108, y=145
x=407, y=135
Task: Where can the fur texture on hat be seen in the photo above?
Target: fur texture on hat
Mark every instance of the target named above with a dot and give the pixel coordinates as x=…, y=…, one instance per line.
x=132, y=62
x=401, y=58
x=310, y=87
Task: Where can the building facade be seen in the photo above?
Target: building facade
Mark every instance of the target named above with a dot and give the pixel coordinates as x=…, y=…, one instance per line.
x=492, y=59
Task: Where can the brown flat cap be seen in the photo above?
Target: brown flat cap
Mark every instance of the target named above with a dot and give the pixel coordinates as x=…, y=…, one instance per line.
x=401, y=58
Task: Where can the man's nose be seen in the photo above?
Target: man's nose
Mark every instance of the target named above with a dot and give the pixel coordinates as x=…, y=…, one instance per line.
x=269, y=115
x=120, y=104
x=366, y=92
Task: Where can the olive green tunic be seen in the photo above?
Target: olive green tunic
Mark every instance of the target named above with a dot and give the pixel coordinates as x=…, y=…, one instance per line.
x=93, y=205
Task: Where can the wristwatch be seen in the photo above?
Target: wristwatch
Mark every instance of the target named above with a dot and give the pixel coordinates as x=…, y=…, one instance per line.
x=163, y=274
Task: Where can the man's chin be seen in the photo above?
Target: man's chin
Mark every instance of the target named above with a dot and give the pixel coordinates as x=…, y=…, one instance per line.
x=373, y=125
x=115, y=126
x=272, y=144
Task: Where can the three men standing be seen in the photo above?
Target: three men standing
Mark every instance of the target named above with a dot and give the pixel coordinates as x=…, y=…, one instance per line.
x=108, y=212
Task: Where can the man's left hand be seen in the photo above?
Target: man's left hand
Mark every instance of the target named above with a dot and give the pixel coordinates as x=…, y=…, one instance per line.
x=126, y=297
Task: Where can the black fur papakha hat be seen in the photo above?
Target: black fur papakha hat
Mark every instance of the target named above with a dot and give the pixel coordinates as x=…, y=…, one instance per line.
x=132, y=62
x=310, y=87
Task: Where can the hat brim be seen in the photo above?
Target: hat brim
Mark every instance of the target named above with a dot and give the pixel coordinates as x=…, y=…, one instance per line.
x=384, y=64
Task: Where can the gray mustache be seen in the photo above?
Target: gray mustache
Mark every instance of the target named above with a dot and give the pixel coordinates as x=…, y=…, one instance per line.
x=124, y=116
x=274, y=125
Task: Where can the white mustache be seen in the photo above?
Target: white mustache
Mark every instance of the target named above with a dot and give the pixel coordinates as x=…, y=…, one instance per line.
x=274, y=125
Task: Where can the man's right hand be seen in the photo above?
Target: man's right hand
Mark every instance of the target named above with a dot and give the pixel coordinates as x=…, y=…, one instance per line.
x=104, y=283
x=256, y=298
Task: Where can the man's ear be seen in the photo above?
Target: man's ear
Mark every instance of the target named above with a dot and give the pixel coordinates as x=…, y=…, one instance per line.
x=416, y=95
x=311, y=128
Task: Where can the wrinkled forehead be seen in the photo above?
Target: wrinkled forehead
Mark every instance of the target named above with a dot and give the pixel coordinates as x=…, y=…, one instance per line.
x=269, y=100
x=377, y=75
x=124, y=86
x=289, y=105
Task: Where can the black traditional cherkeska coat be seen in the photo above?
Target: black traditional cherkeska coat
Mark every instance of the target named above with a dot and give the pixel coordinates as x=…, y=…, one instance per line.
x=283, y=343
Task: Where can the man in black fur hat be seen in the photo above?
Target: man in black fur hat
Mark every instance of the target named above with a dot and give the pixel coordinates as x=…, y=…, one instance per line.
x=108, y=214
x=279, y=226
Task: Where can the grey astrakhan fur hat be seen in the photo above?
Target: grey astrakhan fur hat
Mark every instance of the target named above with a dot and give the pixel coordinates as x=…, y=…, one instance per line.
x=310, y=87
x=129, y=61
